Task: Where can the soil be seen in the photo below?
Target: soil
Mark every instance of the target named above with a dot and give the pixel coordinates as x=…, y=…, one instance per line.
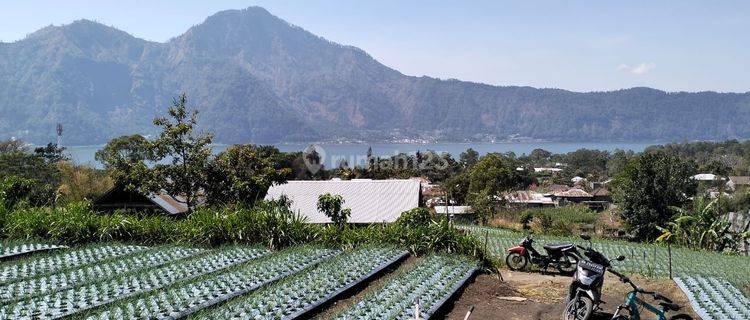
x=533, y=296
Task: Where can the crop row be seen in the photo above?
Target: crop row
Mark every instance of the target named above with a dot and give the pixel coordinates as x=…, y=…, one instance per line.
x=429, y=283
x=301, y=293
x=74, y=300
x=76, y=277
x=8, y=250
x=186, y=298
x=36, y=266
x=715, y=299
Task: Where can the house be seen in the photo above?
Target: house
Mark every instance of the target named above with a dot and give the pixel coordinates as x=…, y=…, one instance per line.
x=740, y=223
x=709, y=177
x=557, y=188
x=547, y=169
x=371, y=201
x=118, y=198
x=737, y=183
x=601, y=194
x=601, y=199
x=528, y=199
x=577, y=179
x=457, y=213
x=574, y=195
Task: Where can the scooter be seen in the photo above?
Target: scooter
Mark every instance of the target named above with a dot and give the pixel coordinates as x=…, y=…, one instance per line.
x=585, y=293
x=563, y=256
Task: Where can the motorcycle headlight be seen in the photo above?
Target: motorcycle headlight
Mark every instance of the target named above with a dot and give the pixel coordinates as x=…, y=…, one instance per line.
x=586, y=277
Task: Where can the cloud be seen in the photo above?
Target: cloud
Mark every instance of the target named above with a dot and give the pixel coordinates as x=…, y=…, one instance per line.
x=642, y=68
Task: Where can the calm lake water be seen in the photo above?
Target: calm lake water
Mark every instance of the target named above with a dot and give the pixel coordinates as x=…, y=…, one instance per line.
x=355, y=153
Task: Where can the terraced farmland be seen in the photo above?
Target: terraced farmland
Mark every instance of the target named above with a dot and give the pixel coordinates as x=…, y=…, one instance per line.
x=430, y=283
x=12, y=249
x=116, y=281
x=301, y=293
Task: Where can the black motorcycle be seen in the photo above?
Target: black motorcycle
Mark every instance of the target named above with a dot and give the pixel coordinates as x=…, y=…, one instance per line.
x=563, y=256
x=584, y=294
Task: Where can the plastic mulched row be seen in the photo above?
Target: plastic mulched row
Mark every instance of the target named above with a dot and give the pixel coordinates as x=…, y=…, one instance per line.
x=37, y=266
x=68, y=302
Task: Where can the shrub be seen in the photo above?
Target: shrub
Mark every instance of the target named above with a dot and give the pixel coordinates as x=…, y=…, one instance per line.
x=545, y=221
x=526, y=217
x=269, y=223
x=15, y=190
x=415, y=217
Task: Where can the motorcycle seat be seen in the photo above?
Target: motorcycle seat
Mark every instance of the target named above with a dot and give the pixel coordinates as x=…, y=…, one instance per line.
x=558, y=246
x=669, y=306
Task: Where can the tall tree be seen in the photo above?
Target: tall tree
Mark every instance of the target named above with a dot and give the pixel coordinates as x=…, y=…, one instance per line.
x=469, y=158
x=488, y=179
x=646, y=189
x=126, y=158
x=187, y=152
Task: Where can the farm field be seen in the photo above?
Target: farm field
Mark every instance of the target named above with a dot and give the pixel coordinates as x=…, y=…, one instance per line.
x=714, y=279
x=119, y=281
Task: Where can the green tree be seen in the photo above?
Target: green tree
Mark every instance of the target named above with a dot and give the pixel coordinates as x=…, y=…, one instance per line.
x=187, y=153
x=39, y=167
x=540, y=157
x=126, y=158
x=14, y=190
x=51, y=153
x=646, y=189
x=331, y=206
x=243, y=173
x=469, y=158
x=488, y=179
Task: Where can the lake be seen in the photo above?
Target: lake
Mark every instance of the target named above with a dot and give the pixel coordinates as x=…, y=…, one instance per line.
x=355, y=153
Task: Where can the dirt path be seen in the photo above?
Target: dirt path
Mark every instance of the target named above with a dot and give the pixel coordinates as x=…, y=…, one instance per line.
x=533, y=296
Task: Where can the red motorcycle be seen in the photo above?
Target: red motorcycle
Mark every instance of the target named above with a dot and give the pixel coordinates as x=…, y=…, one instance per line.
x=564, y=257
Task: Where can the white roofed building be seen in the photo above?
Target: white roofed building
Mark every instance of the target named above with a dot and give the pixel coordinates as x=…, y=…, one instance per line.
x=371, y=201
x=707, y=177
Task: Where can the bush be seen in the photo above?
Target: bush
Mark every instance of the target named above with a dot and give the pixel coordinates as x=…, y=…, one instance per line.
x=415, y=217
x=544, y=220
x=14, y=189
x=526, y=217
x=269, y=223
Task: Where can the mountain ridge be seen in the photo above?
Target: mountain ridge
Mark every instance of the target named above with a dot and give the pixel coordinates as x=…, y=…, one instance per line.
x=258, y=78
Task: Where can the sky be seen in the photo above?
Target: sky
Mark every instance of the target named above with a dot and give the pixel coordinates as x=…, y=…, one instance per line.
x=573, y=45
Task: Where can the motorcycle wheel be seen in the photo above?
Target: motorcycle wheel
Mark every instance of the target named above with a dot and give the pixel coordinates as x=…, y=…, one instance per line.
x=567, y=263
x=516, y=261
x=579, y=308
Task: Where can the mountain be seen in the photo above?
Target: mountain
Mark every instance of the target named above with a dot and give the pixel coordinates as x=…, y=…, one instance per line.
x=257, y=78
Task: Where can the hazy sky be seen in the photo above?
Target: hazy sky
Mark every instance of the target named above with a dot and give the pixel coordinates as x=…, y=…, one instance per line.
x=575, y=45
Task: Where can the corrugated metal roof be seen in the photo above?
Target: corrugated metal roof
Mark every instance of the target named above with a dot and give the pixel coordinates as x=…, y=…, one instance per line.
x=453, y=209
x=573, y=193
x=169, y=204
x=371, y=201
x=527, y=196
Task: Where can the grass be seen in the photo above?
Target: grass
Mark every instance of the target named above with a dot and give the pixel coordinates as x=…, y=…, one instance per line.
x=566, y=220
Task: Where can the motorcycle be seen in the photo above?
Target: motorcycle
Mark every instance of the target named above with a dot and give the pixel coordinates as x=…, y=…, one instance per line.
x=585, y=292
x=563, y=256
